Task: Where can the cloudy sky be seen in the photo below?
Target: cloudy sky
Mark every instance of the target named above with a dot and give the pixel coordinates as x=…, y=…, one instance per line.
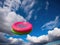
x=44, y=15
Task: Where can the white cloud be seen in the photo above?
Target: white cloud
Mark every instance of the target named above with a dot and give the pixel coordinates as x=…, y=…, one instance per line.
x=51, y=24
x=16, y=41
x=29, y=15
x=47, y=5
x=52, y=35
x=7, y=18
x=3, y=39
x=27, y=5
x=12, y=4
x=39, y=39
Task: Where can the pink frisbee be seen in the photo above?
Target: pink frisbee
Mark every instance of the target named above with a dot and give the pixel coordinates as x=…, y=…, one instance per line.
x=21, y=27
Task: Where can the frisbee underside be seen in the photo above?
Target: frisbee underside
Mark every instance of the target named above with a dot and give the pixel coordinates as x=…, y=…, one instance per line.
x=20, y=33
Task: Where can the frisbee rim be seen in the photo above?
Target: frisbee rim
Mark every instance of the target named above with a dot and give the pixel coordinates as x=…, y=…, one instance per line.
x=28, y=28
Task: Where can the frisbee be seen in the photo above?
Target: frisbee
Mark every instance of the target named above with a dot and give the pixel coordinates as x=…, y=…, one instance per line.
x=21, y=28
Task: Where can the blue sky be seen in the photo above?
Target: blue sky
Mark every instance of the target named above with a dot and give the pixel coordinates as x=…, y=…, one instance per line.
x=44, y=15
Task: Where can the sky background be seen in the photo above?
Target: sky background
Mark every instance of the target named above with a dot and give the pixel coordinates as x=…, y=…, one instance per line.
x=44, y=15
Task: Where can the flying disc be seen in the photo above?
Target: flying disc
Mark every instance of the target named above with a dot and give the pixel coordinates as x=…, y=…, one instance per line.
x=21, y=27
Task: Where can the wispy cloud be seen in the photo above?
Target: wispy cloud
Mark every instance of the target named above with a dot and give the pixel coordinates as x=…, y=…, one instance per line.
x=29, y=15
x=12, y=4
x=51, y=24
x=47, y=5
x=27, y=6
